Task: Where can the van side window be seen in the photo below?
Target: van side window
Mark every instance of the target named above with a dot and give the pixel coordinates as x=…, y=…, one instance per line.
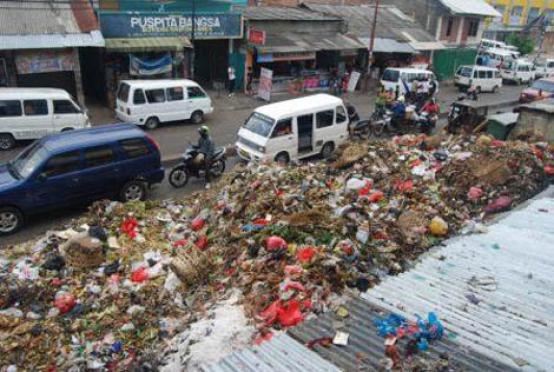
x=550, y=65
x=134, y=148
x=174, y=94
x=195, y=92
x=138, y=97
x=61, y=164
x=475, y=74
x=341, y=115
x=10, y=108
x=489, y=74
x=282, y=128
x=64, y=106
x=35, y=107
x=482, y=74
x=324, y=119
x=97, y=156
x=155, y=96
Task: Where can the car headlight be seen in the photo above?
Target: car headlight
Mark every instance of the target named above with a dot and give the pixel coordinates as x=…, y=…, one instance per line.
x=261, y=149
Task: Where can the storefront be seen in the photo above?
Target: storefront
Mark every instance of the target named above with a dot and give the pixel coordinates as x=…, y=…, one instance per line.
x=158, y=45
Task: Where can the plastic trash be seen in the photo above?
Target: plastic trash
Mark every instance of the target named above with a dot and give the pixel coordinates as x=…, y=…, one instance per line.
x=274, y=243
x=474, y=193
x=197, y=224
x=305, y=255
x=498, y=205
x=140, y=275
x=438, y=226
x=129, y=227
x=64, y=302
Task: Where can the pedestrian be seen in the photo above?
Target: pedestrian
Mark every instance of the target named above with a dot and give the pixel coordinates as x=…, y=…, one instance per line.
x=249, y=79
x=232, y=77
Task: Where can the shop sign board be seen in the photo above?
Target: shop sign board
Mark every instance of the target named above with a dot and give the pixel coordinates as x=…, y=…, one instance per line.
x=265, y=85
x=275, y=57
x=353, y=81
x=152, y=24
x=256, y=37
x=44, y=61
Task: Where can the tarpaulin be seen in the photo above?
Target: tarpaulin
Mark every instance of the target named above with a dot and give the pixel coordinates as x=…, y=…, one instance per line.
x=145, y=67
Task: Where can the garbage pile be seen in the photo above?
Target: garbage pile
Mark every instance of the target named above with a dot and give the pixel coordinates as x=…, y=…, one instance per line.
x=111, y=290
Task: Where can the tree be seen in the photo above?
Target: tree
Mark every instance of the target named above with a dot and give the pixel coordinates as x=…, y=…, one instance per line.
x=524, y=44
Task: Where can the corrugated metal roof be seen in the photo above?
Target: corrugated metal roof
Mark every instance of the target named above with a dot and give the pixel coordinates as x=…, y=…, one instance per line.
x=272, y=13
x=494, y=290
x=366, y=350
x=471, y=7
x=388, y=46
x=149, y=44
x=546, y=105
x=391, y=22
x=280, y=354
x=15, y=42
x=291, y=42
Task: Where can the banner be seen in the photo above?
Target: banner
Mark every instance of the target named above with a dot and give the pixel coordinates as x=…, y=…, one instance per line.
x=256, y=37
x=353, y=81
x=142, y=67
x=266, y=83
x=148, y=24
x=44, y=61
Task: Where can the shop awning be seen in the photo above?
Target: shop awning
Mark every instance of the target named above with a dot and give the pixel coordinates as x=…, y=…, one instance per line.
x=299, y=42
x=150, y=44
x=427, y=45
x=382, y=45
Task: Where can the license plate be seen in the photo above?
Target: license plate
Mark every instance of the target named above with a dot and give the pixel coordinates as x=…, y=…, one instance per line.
x=244, y=153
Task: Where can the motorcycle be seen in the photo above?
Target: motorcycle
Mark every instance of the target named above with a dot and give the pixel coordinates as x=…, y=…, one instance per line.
x=180, y=174
x=426, y=123
x=380, y=122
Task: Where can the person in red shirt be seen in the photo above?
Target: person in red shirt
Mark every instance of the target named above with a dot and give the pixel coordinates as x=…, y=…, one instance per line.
x=431, y=107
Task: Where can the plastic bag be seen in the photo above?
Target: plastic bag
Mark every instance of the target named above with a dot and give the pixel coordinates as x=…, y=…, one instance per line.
x=438, y=226
x=498, y=205
x=274, y=243
x=305, y=255
x=64, y=302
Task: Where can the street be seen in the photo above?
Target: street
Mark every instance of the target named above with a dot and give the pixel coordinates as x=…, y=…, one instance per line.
x=229, y=114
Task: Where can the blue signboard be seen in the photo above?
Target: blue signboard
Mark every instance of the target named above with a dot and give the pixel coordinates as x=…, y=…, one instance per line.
x=151, y=24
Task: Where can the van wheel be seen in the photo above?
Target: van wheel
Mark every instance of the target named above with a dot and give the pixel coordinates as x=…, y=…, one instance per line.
x=152, y=123
x=11, y=220
x=7, y=142
x=133, y=191
x=282, y=158
x=327, y=150
x=495, y=89
x=197, y=117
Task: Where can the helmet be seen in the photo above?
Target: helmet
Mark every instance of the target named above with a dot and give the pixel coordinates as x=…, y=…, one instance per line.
x=401, y=99
x=204, y=130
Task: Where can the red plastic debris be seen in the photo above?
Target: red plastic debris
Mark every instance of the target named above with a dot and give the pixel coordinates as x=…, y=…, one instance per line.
x=269, y=315
x=139, y=275
x=376, y=197
x=64, y=302
x=549, y=170
x=415, y=163
x=294, y=285
x=56, y=282
x=380, y=235
x=274, y=243
x=202, y=242
x=499, y=204
x=260, y=222
x=289, y=314
x=197, y=224
x=474, y=193
x=293, y=270
x=497, y=143
x=263, y=338
x=129, y=226
x=180, y=243
x=366, y=189
x=391, y=351
x=538, y=153
x=307, y=304
x=305, y=255
x=404, y=186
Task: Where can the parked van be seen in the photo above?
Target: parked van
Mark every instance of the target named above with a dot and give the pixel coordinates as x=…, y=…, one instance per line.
x=31, y=113
x=497, y=57
x=491, y=44
x=151, y=102
x=483, y=79
x=294, y=129
x=544, y=68
x=519, y=71
x=400, y=79
x=75, y=168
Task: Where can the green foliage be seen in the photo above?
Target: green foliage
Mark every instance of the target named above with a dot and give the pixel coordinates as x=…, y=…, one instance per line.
x=524, y=44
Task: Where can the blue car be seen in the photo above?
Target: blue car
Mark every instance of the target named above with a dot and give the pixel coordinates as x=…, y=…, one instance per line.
x=76, y=168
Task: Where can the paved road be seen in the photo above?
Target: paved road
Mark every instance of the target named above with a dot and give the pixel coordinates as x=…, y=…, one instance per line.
x=229, y=115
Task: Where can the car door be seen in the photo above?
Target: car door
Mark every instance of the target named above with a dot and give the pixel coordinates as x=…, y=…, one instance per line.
x=138, y=109
x=132, y=154
x=157, y=104
x=37, y=118
x=198, y=100
x=282, y=138
x=98, y=177
x=324, y=128
x=66, y=115
x=177, y=106
x=56, y=184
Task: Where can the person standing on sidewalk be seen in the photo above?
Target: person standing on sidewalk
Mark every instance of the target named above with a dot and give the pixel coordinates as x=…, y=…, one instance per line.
x=232, y=77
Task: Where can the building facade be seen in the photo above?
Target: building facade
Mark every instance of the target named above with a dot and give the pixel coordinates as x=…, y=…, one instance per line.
x=522, y=12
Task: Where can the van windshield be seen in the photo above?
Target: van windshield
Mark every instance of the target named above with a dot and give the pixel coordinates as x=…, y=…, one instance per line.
x=123, y=92
x=543, y=85
x=259, y=124
x=29, y=160
x=391, y=75
x=465, y=71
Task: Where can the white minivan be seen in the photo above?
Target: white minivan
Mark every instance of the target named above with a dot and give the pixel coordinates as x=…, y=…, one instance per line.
x=151, y=102
x=544, y=68
x=400, y=79
x=498, y=57
x=32, y=113
x=483, y=79
x=518, y=71
x=294, y=129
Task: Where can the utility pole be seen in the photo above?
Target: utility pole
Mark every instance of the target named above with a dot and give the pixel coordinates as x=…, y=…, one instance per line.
x=372, y=36
x=193, y=29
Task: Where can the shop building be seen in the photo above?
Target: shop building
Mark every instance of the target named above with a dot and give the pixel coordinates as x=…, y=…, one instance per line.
x=304, y=49
x=152, y=39
x=42, y=44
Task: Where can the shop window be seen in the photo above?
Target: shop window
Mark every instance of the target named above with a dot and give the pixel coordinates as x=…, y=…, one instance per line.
x=195, y=92
x=473, y=28
x=324, y=119
x=10, y=108
x=135, y=147
x=35, y=107
x=533, y=14
x=174, y=94
x=138, y=97
x=282, y=128
x=155, y=96
x=449, y=25
x=61, y=164
x=517, y=11
x=64, y=106
x=341, y=115
x=98, y=156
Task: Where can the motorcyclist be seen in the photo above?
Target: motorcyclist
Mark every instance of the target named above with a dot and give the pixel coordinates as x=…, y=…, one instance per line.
x=431, y=107
x=206, y=149
x=398, y=111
